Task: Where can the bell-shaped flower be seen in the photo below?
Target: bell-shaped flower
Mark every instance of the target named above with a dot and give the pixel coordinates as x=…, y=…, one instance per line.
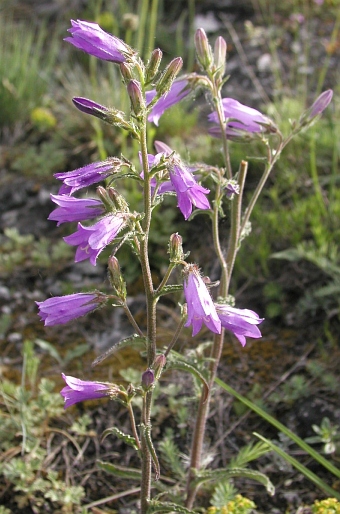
x=177, y=92
x=77, y=390
x=188, y=191
x=61, y=309
x=200, y=307
x=75, y=209
x=240, y=118
x=93, y=40
x=85, y=176
x=92, y=240
x=241, y=322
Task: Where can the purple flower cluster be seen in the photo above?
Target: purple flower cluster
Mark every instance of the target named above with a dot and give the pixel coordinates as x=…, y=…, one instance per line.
x=201, y=309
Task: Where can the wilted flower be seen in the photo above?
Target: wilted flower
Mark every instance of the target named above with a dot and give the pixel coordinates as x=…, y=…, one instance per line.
x=85, y=176
x=177, y=92
x=77, y=390
x=188, y=191
x=61, y=309
x=75, y=209
x=200, y=306
x=242, y=322
x=93, y=40
x=92, y=240
x=239, y=117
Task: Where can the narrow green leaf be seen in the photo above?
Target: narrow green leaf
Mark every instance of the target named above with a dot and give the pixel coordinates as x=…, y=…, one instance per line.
x=128, y=439
x=173, y=363
x=119, y=471
x=282, y=428
x=169, y=289
x=300, y=467
x=216, y=475
x=148, y=439
x=163, y=507
x=134, y=340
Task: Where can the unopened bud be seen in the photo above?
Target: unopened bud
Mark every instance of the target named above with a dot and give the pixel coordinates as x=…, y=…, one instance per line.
x=117, y=200
x=135, y=93
x=203, y=49
x=158, y=365
x=176, y=248
x=116, y=278
x=148, y=378
x=168, y=76
x=220, y=56
x=153, y=65
x=90, y=107
x=105, y=198
x=317, y=107
x=126, y=72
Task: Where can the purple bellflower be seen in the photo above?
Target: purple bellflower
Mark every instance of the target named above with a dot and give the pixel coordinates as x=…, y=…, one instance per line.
x=241, y=322
x=177, y=92
x=84, y=177
x=61, y=309
x=93, y=40
x=77, y=390
x=200, y=306
x=92, y=240
x=240, y=118
x=188, y=191
x=75, y=209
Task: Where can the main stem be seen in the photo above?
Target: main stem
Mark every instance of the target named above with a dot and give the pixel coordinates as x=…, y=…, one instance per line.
x=151, y=321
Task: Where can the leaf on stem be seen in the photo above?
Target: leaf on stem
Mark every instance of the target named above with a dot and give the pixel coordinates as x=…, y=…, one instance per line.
x=134, y=340
x=119, y=471
x=184, y=366
x=128, y=439
x=216, y=475
x=156, y=506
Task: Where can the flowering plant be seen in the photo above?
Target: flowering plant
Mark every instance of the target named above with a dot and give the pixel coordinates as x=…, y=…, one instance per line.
x=151, y=93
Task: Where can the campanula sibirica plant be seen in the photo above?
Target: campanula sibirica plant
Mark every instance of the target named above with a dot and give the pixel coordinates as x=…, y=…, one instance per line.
x=196, y=190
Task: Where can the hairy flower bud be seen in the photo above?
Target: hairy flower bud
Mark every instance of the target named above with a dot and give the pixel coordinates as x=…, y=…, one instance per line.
x=203, y=50
x=135, y=93
x=116, y=278
x=168, y=76
x=175, y=248
x=126, y=72
x=117, y=199
x=153, y=64
x=158, y=365
x=148, y=379
x=220, y=55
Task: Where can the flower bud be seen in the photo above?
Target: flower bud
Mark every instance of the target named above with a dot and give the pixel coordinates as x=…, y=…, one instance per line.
x=116, y=278
x=135, y=93
x=153, y=65
x=148, y=379
x=175, y=248
x=168, y=76
x=126, y=72
x=203, y=49
x=317, y=107
x=232, y=188
x=117, y=200
x=158, y=365
x=220, y=55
